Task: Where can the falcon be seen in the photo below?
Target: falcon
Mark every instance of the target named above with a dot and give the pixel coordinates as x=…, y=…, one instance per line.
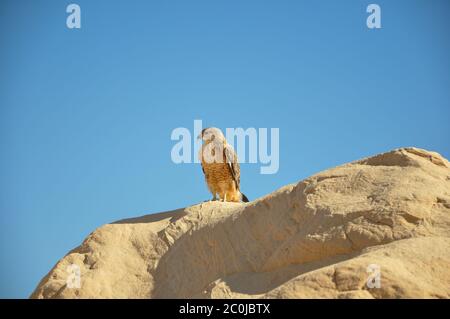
x=220, y=166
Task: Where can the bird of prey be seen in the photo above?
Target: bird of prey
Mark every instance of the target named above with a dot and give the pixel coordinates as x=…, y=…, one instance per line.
x=220, y=166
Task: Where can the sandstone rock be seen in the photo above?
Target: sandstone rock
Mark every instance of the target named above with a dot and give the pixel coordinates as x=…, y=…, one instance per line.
x=313, y=239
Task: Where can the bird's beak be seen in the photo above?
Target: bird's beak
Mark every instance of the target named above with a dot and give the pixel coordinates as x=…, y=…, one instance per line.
x=199, y=137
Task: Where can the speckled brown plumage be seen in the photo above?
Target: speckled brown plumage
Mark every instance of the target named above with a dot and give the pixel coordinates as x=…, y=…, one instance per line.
x=223, y=175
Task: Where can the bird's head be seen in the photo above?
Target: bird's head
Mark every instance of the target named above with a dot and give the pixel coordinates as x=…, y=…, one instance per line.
x=211, y=134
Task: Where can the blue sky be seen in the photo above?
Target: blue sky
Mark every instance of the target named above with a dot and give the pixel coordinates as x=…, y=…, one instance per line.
x=86, y=115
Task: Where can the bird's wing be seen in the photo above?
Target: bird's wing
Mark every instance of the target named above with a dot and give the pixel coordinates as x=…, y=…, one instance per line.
x=200, y=157
x=233, y=163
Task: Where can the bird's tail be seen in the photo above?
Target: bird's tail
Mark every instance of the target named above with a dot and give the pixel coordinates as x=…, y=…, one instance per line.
x=244, y=198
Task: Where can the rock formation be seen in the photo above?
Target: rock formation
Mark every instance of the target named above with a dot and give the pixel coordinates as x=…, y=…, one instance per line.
x=318, y=238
